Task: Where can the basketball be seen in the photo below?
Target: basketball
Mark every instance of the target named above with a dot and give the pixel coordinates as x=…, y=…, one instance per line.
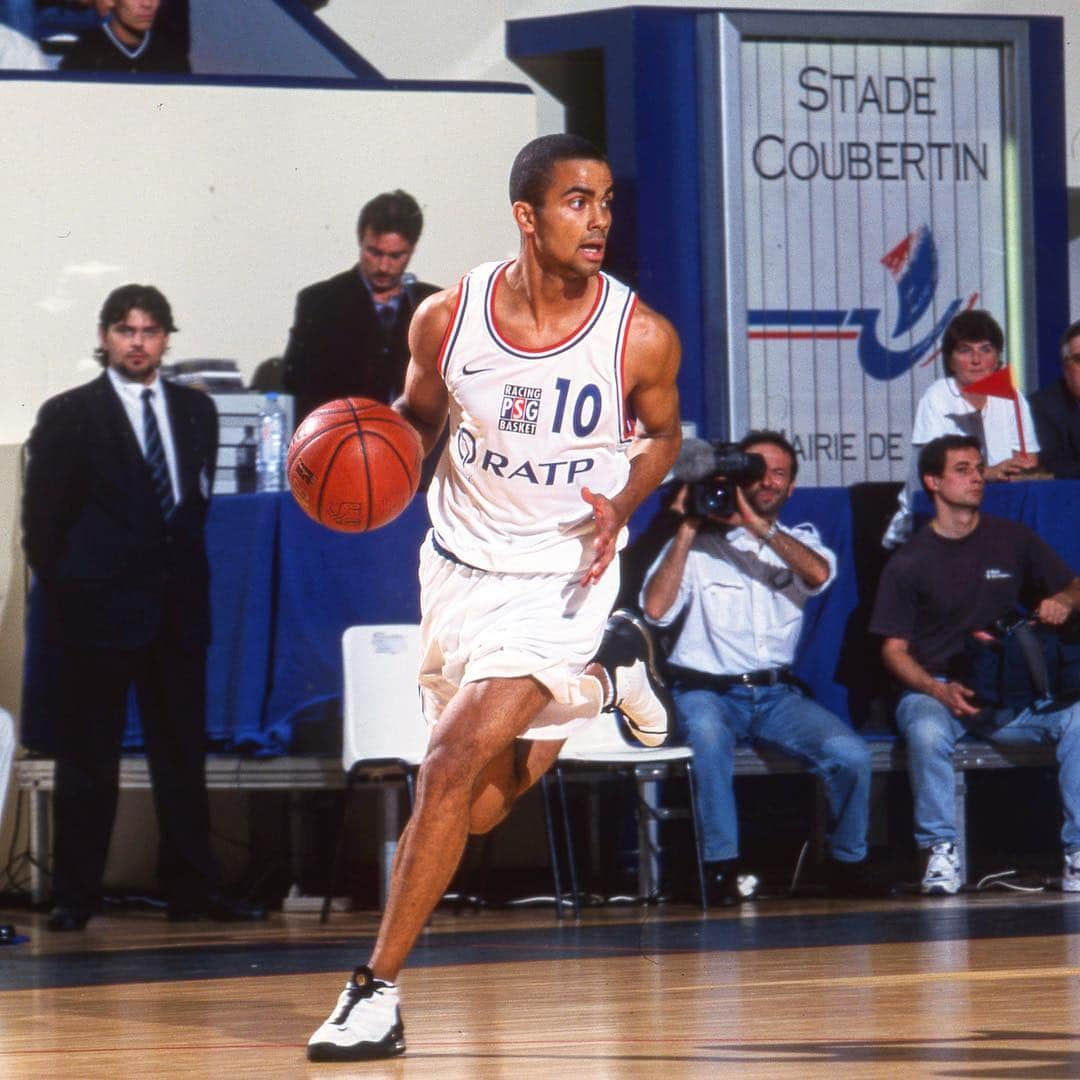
x=354, y=464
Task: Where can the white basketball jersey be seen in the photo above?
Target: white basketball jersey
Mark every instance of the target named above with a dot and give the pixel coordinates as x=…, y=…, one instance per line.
x=528, y=430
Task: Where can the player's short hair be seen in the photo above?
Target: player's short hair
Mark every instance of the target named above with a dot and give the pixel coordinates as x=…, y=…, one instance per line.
x=1073, y=331
x=972, y=325
x=932, y=456
x=127, y=298
x=392, y=212
x=530, y=175
x=773, y=438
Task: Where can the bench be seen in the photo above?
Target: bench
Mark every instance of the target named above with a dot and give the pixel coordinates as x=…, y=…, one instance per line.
x=321, y=773
x=887, y=755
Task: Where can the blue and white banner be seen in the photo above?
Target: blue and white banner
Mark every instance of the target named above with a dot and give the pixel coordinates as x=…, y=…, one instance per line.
x=874, y=202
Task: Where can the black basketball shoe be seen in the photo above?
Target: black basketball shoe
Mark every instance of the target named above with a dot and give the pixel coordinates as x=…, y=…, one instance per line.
x=628, y=655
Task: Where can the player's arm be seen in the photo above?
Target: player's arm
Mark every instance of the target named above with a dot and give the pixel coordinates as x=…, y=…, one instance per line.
x=425, y=402
x=652, y=364
x=896, y=654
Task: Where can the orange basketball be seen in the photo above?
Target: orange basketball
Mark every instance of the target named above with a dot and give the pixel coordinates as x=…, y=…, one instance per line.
x=354, y=464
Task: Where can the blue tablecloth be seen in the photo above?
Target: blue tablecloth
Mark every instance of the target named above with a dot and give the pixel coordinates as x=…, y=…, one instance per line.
x=284, y=590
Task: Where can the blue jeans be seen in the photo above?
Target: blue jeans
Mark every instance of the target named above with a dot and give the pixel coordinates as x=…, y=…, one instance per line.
x=712, y=723
x=932, y=731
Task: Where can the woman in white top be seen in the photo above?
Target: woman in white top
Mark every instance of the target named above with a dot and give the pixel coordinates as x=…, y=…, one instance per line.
x=971, y=349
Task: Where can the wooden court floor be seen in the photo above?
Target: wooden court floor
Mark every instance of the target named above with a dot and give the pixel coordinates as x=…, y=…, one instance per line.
x=979, y=986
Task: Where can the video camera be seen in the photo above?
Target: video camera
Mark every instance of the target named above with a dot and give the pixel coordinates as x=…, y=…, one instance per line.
x=713, y=470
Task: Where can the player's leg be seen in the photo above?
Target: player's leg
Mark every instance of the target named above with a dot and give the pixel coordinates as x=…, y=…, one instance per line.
x=507, y=778
x=479, y=725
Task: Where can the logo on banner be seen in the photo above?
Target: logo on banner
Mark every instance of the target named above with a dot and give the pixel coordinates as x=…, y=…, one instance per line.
x=913, y=266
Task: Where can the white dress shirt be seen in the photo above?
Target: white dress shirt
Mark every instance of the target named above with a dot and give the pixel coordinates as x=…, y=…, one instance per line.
x=130, y=394
x=744, y=604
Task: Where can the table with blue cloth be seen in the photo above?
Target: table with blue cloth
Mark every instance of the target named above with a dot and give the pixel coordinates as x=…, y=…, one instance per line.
x=284, y=589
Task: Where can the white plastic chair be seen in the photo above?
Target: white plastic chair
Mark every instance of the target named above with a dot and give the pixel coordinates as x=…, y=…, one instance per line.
x=385, y=735
x=600, y=745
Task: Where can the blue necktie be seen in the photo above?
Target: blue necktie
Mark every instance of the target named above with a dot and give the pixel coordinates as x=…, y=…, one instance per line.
x=155, y=457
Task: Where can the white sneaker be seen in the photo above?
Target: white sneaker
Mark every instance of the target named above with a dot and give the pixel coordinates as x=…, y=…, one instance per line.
x=1070, y=875
x=366, y=1023
x=628, y=656
x=942, y=874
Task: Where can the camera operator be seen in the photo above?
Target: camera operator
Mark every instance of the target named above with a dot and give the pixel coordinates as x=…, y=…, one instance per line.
x=732, y=584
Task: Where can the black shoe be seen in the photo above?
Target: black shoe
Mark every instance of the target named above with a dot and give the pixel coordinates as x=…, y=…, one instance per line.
x=725, y=886
x=63, y=918
x=628, y=655
x=217, y=907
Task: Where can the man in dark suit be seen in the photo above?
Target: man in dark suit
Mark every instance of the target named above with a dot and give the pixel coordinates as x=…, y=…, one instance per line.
x=118, y=485
x=350, y=336
x=1056, y=409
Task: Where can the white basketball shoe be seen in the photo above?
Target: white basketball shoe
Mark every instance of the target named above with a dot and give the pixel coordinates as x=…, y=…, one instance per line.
x=365, y=1024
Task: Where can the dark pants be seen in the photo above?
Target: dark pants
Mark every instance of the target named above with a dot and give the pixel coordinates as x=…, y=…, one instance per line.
x=170, y=686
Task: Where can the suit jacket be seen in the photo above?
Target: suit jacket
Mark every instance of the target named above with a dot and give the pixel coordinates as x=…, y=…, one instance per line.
x=338, y=348
x=1057, y=422
x=113, y=572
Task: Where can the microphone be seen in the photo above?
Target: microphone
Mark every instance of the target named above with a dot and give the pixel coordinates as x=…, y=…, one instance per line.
x=696, y=461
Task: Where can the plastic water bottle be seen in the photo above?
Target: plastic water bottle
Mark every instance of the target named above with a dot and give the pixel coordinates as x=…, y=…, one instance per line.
x=270, y=461
x=247, y=456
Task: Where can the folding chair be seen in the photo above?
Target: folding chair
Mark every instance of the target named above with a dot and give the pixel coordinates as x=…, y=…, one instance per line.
x=601, y=746
x=385, y=734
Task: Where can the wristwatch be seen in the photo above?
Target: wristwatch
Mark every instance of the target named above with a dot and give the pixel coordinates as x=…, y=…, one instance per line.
x=770, y=532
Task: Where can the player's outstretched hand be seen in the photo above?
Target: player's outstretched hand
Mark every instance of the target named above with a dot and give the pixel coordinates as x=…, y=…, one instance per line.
x=607, y=525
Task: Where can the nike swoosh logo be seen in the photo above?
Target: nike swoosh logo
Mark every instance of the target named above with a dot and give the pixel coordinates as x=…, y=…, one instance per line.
x=466, y=370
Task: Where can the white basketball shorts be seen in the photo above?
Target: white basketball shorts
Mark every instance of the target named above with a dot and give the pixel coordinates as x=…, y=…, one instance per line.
x=477, y=624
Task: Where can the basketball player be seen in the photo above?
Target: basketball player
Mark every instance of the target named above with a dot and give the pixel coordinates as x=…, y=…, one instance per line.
x=560, y=389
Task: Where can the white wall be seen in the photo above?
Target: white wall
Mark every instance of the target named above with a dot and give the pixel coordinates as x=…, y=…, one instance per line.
x=229, y=199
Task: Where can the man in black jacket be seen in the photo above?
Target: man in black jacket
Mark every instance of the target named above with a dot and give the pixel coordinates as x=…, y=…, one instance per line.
x=1056, y=410
x=117, y=489
x=350, y=333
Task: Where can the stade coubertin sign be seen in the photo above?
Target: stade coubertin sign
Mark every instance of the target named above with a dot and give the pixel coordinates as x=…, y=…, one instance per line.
x=875, y=179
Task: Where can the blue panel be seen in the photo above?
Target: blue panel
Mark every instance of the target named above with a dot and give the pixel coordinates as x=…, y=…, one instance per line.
x=1049, y=198
x=654, y=94
x=665, y=86
x=651, y=95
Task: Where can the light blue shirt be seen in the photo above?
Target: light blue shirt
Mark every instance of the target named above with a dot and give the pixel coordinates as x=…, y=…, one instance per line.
x=744, y=603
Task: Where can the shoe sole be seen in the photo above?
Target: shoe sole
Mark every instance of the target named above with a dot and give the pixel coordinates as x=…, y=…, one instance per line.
x=939, y=890
x=392, y=1046
x=645, y=736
